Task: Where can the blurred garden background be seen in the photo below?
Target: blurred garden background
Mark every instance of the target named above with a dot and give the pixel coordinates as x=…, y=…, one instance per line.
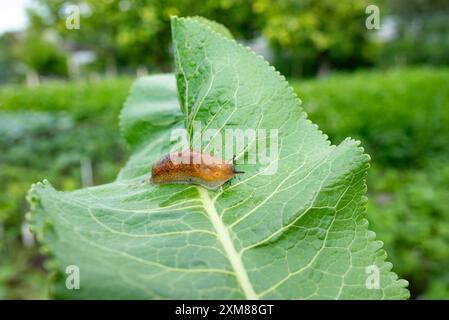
x=61, y=90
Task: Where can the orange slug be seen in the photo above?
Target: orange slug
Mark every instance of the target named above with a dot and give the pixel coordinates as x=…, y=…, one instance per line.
x=192, y=167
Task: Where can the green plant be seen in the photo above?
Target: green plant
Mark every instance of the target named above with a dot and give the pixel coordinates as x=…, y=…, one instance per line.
x=305, y=43
x=51, y=144
x=36, y=145
x=45, y=57
x=398, y=115
x=137, y=33
x=300, y=233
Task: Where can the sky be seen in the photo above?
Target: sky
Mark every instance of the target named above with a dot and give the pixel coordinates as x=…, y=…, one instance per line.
x=13, y=15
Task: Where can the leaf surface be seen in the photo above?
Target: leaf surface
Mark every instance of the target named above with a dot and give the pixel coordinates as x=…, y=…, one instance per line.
x=296, y=234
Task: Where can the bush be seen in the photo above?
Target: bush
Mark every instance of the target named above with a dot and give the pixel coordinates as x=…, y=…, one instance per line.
x=48, y=131
x=96, y=101
x=408, y=210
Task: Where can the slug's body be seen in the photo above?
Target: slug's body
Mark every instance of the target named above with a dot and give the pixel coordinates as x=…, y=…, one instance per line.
x=192, y=167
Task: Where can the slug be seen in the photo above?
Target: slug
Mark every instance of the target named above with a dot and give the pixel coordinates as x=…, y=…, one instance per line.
x=193, y=167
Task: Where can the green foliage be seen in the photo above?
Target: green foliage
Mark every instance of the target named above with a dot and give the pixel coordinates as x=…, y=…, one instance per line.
x=409, y=211
x=127, y=34
x=305, y=35
x=92, y=100
x=182, y=241
x=21, y=273
x=400, y=116
x=22, y=53
x=420, y=35
x=39, y=144
x=407, y=207
x=10, y=67
x=69, y=123
x=43, y=56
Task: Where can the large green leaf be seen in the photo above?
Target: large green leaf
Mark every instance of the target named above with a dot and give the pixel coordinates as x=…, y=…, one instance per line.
x=297, y=234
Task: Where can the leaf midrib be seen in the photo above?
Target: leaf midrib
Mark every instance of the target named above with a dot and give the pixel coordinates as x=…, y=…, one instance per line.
x=226, y=242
